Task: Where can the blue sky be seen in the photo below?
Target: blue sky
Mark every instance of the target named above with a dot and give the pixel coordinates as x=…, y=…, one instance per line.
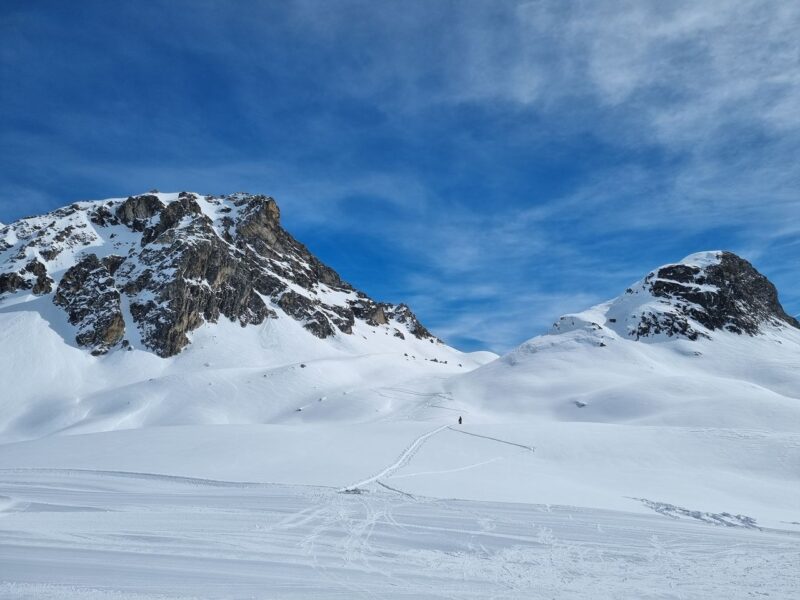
x=493, y=164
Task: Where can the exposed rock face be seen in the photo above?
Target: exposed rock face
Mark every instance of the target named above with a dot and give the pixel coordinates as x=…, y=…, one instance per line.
x=187, y=274
x=402, y=314
x=726, y=293
x=184, y=208
x=137, y=210
x=11, y=282
x=33, y=276
x=88, y=293
x=178, y=261
x=43, y=284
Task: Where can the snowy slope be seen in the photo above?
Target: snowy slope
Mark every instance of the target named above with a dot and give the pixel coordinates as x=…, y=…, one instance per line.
x=526, y=510
x=612, y=467
x=111, y=536
x=228, y=375
x=697, y=367
x=167, y=309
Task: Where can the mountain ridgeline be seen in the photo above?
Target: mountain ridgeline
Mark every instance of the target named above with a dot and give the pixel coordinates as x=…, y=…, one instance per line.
x=154, y=267
x=704, y=293
x=147, y=270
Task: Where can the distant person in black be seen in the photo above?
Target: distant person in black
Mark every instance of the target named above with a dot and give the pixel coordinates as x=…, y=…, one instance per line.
x=459, y=420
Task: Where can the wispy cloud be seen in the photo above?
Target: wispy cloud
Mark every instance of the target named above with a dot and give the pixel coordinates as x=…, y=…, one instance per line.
x=714, y=88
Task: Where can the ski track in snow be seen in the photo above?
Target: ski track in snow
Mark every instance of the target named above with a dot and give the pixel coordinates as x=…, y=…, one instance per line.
x=393, y=489
x=486, y=437
x=138, y=476
x=407, y=454
x=98, y=535
x=443, y=471
x=404, y=458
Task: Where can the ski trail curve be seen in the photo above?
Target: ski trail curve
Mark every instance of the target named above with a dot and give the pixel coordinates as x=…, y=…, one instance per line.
x=486, y=437
x=388, y=487
x=455, y=470
x=399, y=463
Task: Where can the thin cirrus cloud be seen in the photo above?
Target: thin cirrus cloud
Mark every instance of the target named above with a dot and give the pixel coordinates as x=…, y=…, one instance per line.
x=493, y=164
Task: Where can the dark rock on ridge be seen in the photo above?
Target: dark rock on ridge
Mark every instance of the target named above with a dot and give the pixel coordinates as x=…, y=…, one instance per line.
x=730, y=295
x=88, y=294
x=179, y=263
x=137, y=210
x=11, y=282
x=190, y=275
x=302, y=308
x=33, y=276
x=185, y=207
x=43, y=283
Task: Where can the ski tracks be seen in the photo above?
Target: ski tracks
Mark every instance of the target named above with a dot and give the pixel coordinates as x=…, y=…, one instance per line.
x=356, y=521
x=405, y=456
x=494, y=439
x=414, y=447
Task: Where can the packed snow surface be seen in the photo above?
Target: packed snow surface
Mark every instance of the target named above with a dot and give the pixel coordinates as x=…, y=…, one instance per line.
x=432, y=512
x=115, y=535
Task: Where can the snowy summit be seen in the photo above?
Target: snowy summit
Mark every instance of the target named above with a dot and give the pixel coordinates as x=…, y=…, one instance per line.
x=155, y=267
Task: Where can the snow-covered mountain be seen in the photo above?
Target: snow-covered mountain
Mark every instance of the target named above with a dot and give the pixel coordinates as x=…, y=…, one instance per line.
x=163, y=309
x=155, y=267
x=705, y=292
x=704, y=342
x=182, y=308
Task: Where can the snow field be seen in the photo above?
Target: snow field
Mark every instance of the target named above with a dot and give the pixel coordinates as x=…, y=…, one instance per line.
x=88, y=535
x=578, y=464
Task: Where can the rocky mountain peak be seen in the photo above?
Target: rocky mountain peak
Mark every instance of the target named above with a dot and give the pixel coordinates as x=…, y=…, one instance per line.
x=164, y=264
x=727, y=293
x=703, y=293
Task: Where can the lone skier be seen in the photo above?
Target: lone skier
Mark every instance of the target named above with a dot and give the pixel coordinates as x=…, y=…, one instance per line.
x=459, y=420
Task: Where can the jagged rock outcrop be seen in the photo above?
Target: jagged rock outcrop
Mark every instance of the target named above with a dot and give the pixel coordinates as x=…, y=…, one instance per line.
x=136, y=211
x=33, y=276
x=11, y=282
x=402, y=314
x=724, y=293
x=186, y=274
x=730, y=295
x=704, y=293
x=88, y=293
x=179, y=261
x=43, y=284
